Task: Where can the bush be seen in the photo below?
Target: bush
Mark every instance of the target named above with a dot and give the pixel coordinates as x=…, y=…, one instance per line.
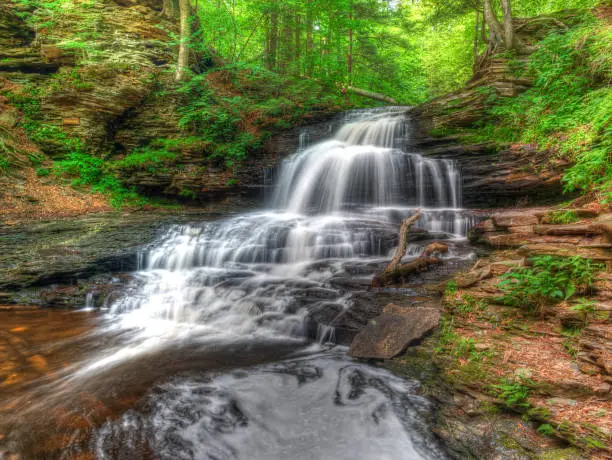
x=548, y=279
x=90, y=171
x=569, y=108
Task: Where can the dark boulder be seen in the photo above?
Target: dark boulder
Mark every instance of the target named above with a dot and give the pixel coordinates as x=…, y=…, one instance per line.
x=391, y=333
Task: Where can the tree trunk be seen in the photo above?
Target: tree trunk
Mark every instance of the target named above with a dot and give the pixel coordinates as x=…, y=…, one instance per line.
x=349, y=58
x=183, y=57
x=372, y=95
x=508, y=25
x=309, y=43
x=273, y=38
x=402, y=272
x=298, y=44
x=496, y=34
x=170, y=9
x=476, y=33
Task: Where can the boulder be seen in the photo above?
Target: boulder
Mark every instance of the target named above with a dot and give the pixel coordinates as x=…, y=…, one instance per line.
x=391, y=333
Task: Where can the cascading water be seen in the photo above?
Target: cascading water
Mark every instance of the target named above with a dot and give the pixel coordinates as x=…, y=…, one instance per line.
x=336, y=202
x=332, y=221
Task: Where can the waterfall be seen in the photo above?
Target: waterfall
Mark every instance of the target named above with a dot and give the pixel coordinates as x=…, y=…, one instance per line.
x=336, y=207
x=227, y=324
x=363, y=166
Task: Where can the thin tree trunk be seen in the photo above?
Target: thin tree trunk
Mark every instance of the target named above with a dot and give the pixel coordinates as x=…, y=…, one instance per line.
x=298, y=44
x=309, y=43
x=183, y=57
x=170, y=9
x=476, y=33
x=349, y=58
x=273, y=38
x=246, y=43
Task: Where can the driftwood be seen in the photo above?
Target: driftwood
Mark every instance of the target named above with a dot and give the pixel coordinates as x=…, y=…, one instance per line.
x=403, y=241
x=396, y=271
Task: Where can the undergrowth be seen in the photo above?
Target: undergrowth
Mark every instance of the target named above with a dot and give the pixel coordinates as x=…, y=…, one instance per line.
x=547, y=280
x=568, y=109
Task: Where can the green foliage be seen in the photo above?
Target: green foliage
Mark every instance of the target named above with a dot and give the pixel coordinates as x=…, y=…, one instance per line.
x=549, y=279
x=546, y=429
x=568, y=110
x=464, y=303
x=5, y=163
x=150, y=158
x=450, y=289
x=514, y=393
x=588, y=310
x=563, y=217
x=233, y=126
x=189, y=194
x=93, y=172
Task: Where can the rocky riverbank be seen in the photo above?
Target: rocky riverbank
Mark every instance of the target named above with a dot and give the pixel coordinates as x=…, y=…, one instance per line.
x=57, y=263
x=513, y=383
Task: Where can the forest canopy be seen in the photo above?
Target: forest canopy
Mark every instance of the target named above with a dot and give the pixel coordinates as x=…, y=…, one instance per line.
x=410, y=50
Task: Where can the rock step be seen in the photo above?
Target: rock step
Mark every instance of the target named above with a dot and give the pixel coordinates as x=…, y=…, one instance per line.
x=568, y=230
x=566, y=249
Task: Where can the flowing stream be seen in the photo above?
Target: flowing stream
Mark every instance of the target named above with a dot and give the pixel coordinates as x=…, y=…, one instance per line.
x=226, y=338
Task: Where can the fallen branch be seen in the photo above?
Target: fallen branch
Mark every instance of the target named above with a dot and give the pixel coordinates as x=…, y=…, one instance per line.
x=371, y=95
x=400, y=273
x=403, y=241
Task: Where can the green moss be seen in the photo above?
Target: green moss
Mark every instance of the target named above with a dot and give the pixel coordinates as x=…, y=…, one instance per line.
x=569, y=453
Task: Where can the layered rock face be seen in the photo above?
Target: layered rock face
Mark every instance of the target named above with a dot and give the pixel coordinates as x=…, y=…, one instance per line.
x=492, y=178
x=494, y=175
x=102, y=74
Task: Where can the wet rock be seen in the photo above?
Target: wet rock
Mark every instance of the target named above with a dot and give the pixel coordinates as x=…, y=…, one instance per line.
x=44, y=263
x=392, y=332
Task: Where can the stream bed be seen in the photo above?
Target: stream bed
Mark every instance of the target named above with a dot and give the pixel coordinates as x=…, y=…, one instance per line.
x=229, y=340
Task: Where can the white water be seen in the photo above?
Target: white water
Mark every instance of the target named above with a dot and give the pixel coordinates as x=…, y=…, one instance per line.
x=337, y=203
x=331, y=223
